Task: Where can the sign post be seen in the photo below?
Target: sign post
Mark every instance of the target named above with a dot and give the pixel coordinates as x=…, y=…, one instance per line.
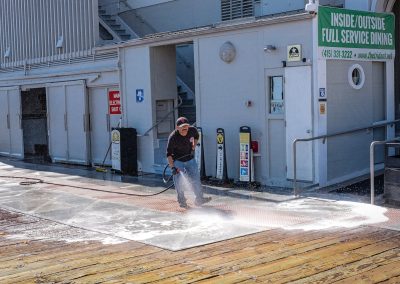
x=245, y=154
x=199, y=154
x=222, y=173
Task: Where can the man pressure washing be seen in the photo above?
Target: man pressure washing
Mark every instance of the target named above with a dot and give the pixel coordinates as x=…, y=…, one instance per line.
x=180, y=154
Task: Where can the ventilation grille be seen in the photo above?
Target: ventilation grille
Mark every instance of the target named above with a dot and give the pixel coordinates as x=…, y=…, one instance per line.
x=235, y=9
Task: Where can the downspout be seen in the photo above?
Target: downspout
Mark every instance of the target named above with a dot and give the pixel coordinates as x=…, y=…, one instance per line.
x=121, y=92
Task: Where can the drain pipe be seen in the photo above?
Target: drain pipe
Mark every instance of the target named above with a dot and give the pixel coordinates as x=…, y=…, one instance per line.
x=120, y=87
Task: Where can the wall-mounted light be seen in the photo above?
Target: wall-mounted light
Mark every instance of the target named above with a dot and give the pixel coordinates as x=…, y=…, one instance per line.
x=269, y=48
x=60, y=42
x=7, y=53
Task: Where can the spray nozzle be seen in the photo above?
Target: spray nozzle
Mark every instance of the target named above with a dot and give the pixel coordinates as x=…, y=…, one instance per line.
x=175, y=170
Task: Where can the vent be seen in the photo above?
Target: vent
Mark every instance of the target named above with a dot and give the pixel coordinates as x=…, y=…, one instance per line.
x=236, y=9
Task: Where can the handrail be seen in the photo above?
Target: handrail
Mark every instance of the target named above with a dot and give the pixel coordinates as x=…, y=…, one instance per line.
x=163, y=118
x=372, y=164
x=295, y=193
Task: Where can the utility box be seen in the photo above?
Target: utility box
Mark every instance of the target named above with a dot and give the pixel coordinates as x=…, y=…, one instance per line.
x=392, y=175
x=124, y=150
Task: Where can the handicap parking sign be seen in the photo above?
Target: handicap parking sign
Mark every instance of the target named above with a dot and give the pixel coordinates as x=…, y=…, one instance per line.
x=139, y=95
x=244, y=171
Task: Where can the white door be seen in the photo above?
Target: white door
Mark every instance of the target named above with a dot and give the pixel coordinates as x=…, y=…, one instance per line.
x=77, y=123
x=99, y=125
x=4, y=124
x=276, y=151
x=57, y=122
x=16, y=137
x=298, y=104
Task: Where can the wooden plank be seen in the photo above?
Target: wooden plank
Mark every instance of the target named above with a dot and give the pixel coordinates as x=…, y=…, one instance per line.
x=381, y=273
x=323, y=263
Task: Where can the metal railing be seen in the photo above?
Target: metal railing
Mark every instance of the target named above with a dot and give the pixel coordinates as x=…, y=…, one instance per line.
x=295, y=189
x=163, y=118
x=372, y=162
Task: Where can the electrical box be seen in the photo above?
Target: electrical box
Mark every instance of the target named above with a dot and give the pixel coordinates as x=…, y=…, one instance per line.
x=124, y=150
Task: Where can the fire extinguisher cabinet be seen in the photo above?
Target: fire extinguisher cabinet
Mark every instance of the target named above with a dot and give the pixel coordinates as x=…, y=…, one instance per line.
x=124, y=150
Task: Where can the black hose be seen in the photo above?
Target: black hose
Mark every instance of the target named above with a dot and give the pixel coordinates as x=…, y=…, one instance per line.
x=37, y=180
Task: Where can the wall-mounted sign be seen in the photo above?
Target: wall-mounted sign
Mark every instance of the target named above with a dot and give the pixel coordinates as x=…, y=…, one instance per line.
x=114, y=102
x=139, y=95
x=322, y=108
x=322, y=93
x=355, y=35
x=294, y=53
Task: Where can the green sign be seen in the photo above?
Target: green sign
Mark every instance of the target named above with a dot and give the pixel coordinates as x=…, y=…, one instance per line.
x=358, y=35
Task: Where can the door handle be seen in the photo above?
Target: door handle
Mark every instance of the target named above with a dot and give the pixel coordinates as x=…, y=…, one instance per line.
x=108, y=122
x=84, y=123
x=8, y=121
x=65, y=122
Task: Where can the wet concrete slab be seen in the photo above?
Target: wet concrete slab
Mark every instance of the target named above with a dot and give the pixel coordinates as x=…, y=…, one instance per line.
x=65, y=197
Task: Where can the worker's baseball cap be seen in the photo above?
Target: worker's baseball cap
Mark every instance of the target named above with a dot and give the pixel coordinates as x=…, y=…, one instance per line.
x=182, y=121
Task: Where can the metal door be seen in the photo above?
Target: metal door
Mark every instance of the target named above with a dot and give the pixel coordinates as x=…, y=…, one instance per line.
x=299, y=120
x=57, y=122
x=77, y=123
x=16, y=137
x=4, y=124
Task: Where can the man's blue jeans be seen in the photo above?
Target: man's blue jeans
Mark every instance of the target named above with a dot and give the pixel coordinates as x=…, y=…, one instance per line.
x=191, y=172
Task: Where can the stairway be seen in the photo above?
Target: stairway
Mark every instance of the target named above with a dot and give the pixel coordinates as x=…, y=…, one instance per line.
x=188, y=106
x=114, y=25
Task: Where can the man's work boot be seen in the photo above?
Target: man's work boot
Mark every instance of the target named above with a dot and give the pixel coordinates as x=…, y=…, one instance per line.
x=201, y=201
x=183, y=205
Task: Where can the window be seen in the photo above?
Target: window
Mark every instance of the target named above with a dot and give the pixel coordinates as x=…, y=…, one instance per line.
x=277, y=105
x=356, y=76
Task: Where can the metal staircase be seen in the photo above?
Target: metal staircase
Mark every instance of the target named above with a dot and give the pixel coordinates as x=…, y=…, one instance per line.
x=112, y=23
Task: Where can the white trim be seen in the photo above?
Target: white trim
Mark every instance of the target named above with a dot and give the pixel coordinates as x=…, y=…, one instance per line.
x=350, y=76
x=183, y=36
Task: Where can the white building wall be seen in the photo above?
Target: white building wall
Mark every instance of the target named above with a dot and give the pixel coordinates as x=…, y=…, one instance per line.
x=223, y=89
x=136, y=75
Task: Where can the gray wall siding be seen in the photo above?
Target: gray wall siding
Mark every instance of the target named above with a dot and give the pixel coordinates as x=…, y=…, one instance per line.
x=348, y=109
x=30, y=29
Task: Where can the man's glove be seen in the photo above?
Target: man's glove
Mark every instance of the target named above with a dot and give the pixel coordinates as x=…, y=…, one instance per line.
x=175, y=170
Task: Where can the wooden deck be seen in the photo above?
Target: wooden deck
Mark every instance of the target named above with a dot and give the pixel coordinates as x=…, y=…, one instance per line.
x=358, y=255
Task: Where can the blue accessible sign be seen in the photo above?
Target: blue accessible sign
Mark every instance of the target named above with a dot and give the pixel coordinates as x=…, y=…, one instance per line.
x=139, y=95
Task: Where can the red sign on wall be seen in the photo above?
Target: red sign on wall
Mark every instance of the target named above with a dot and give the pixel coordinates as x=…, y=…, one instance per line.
x=114, y=102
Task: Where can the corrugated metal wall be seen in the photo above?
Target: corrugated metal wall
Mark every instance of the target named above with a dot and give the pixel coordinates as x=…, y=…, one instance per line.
x=30, y=30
